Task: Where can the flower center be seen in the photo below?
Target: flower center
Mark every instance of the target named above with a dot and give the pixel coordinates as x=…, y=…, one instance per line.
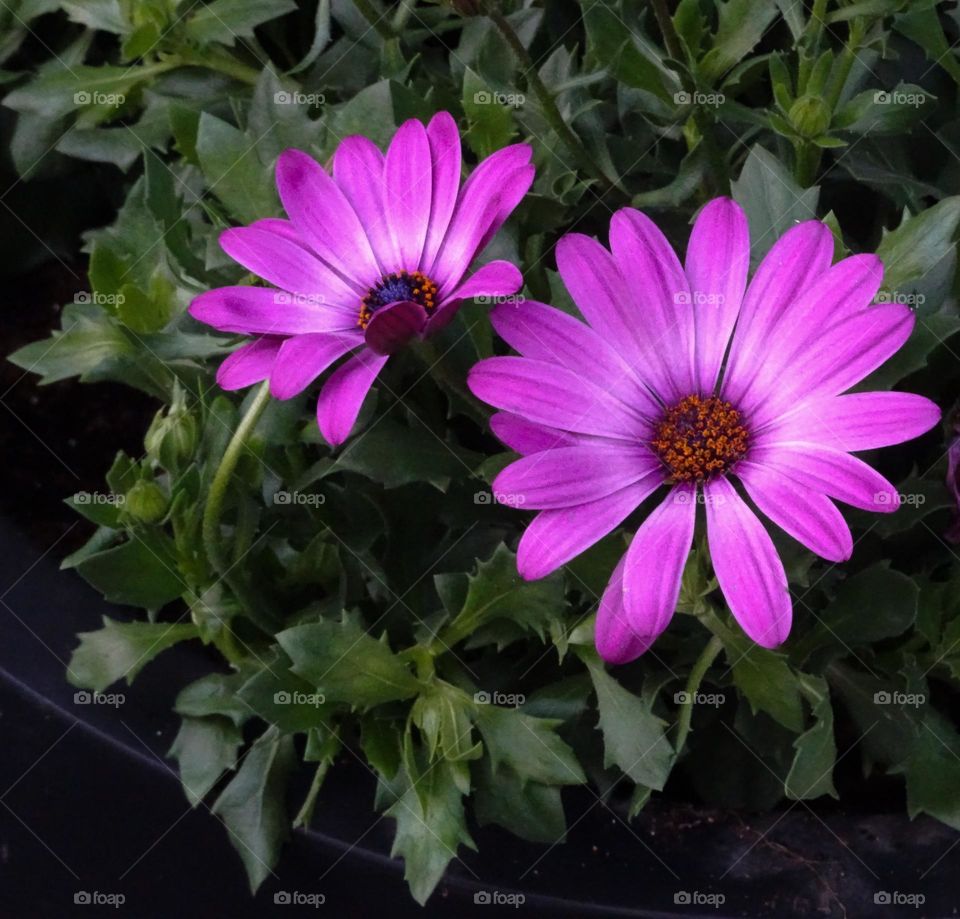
x=393, y=288
x=699, y=438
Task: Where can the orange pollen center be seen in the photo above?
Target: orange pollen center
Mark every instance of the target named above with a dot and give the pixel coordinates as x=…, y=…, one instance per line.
x=397, y=287
x=699, y=438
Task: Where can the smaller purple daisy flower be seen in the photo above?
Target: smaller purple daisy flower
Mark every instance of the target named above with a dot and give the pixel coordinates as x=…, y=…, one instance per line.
x=370, y=258
x=686, y=376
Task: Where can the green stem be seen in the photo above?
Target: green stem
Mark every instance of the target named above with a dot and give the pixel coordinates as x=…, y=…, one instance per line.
x=808, y=162
x=547, y=102
x=221, y=479
x=700, y=668
x=665, y=22
x=375, y=18
x=222, y=63
x=839, y=79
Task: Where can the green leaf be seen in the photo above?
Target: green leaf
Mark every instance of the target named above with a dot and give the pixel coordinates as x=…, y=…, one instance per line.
x=766, y=680
x=880, y=112
x=530, y=810
x=634, y=739
x=120, y=650
x=741, y=25
x=88, y=338
x=395, y=455
x=771, y=199
x=431, y=825
x=811, y=773
x=444, y=717
x=497, y=591
x=874, y=604
x=140, y=572
x=921, y=23
x=280, y=697
x=530, y=746
x=488, y=115
x=214, y=694
x=204, y=748
x=346, y=664
x=933, y=772
x=252, y=806
x=225, y=21
x=234, y=173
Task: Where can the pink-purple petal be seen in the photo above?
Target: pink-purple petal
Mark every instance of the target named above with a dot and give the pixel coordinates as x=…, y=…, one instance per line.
x=617, y=640
x=832, y=472
x=800, y=256
x=808, y=516
x=409, y=186
x=264, y=311
x=567, y=476
x=661, y=297
x=445, y=156
x=250, y=363
x=392, y=326
x=342, y=395
x=858, y=421
x=358, y=168
x=747, y=566
x=287, y=264
x=524, y=437
x=718, y=257
x=495, y=279
x=543, y=333
x=321, y=211
x=554, y=537
x=303, y=358
x=554, y=396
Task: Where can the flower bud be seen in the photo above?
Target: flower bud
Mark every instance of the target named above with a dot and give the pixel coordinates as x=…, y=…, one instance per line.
x=172, y=437
x=146, y=501
x=810, y=116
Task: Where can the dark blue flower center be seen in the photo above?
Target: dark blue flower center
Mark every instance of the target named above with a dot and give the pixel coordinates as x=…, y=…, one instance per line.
x=397, y=287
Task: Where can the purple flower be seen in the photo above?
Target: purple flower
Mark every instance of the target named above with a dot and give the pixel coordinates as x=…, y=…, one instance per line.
x=687, y=376
x=370, y=258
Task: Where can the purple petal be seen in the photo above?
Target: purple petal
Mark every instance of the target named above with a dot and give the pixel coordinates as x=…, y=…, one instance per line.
x=858, y=421
x=800, y=256
x=525, y=437
x=322, y=214
x=250, y=363
x=495, y=279
x=832, y=472
x=343, y=394
x=655, y=562
x=554, y=396
x=392, y=326
x=304, y=357
x=280, y=227
x=747, y=566
x=661, y=294
x=543, y=333
x=718, y=257
x=555, y=537
x=567, y=476
x=409, y=185
x=842, y=357
x=261, y=310
x=493, y=190
x=358, y=167
x=445, y=156
x=286, y=264
x=841, y=292
x=808, y=516
x=642, y=594
x=618, y=642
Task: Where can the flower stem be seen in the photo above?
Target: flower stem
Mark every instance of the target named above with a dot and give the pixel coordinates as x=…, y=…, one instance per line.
x=547, y=102
x=221, y=479
x=700, y=668
x=376, y=19
x=669, y=33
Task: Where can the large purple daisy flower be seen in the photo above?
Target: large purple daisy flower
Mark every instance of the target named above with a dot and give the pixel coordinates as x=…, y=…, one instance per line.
x=370, y=258
x=687, y=376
